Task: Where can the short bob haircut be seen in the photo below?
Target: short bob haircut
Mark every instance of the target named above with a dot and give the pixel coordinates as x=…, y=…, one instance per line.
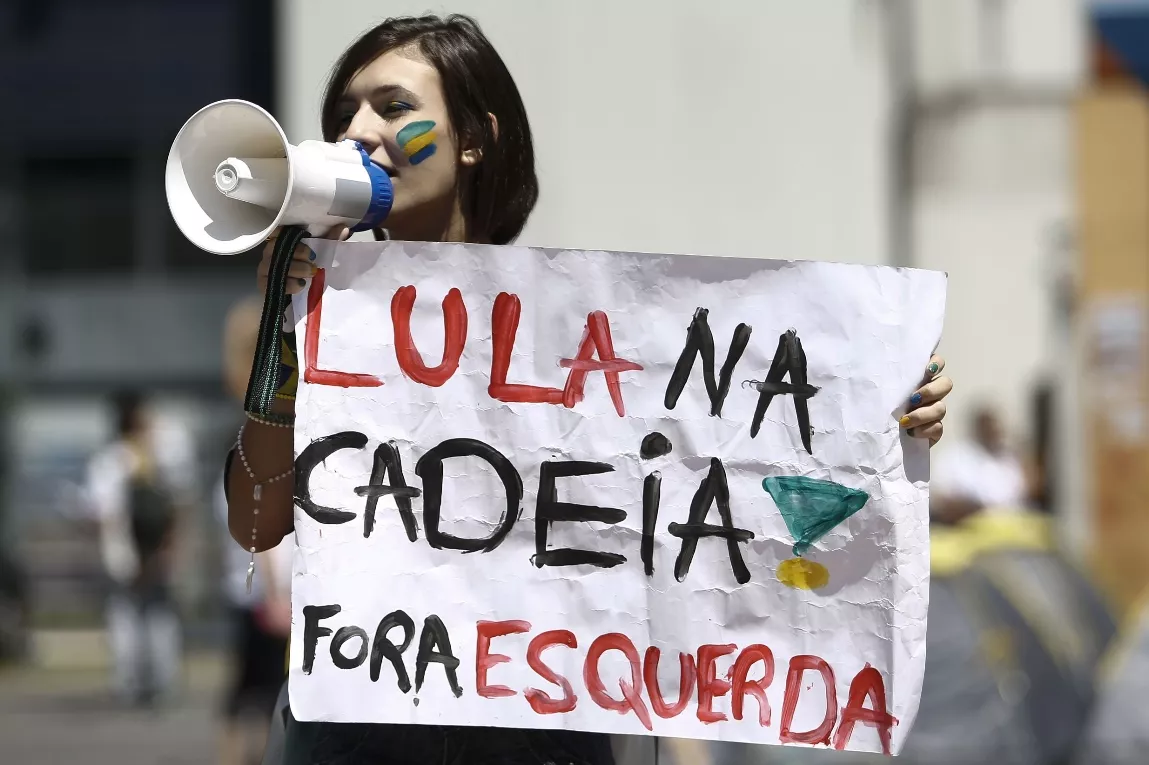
x=498, y=194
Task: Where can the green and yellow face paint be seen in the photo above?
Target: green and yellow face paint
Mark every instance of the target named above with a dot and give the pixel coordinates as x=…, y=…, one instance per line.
x=417, y=140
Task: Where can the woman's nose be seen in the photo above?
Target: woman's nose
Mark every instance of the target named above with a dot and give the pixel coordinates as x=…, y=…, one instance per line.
x=364, y=130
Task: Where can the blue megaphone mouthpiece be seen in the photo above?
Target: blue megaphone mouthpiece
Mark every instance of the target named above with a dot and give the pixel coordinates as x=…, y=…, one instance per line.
x=382, y=193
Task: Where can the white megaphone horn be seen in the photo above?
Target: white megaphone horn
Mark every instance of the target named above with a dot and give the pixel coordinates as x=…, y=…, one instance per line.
x=232, y=178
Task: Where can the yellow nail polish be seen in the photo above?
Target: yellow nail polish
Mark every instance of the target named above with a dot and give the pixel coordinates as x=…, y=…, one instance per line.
x=905, y=421
x=314, y=269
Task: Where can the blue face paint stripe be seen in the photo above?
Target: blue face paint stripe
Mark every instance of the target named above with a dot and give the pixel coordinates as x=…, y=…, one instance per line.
x=422, y=154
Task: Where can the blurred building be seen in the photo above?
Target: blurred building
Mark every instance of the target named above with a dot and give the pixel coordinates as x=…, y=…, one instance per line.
x=100, y=290
x=989, y=193
x=1112, y=153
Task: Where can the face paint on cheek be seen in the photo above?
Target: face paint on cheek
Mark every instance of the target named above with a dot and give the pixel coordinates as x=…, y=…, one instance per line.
x=417, y=140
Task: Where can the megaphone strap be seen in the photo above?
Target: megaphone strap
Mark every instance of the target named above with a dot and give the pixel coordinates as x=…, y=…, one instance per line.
x=264, y=380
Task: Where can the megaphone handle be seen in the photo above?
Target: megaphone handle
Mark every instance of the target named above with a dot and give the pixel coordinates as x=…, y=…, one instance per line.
x=262, y=384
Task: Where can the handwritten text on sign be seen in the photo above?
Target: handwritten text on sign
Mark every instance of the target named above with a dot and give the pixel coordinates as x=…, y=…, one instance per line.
x=523, y=476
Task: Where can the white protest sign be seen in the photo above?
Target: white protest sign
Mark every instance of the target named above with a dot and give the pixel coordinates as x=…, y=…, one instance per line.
x=611, y=492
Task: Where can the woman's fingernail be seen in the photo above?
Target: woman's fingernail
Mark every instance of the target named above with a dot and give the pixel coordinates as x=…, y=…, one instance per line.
x=904, y=421
x=311, y=254
x=916, y=399
x=302, y=282
x=933, y=368
x=314, y=269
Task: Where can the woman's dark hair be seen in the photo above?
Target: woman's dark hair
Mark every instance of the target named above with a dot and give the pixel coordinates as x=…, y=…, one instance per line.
x=498, y=194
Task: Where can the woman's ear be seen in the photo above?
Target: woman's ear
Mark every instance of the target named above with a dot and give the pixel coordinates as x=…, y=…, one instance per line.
x=471, y=157
x=474, y=155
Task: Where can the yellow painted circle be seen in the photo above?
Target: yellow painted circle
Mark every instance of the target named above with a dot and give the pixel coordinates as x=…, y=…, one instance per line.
x=802, y=574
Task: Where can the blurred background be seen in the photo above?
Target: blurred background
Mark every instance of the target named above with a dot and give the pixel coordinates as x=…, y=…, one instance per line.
x=1005, y=142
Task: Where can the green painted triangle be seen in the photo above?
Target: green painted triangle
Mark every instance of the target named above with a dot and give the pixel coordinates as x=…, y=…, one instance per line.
x=811, y=507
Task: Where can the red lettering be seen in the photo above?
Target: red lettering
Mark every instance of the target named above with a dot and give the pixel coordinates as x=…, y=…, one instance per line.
x=539, y=701
x=454, y=337
x=311, y=371
x=740, y=686
x=686, y=678
x=708, y=685
x=821, y=734
x=630, y=696
x=504, y=328
x=484, y=659
x=596, y=338
x=867, y=684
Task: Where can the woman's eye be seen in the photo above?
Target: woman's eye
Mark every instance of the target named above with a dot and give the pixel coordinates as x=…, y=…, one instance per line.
x=396, y=109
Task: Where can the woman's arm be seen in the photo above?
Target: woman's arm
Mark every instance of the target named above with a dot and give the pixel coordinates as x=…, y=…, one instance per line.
x=269, y=451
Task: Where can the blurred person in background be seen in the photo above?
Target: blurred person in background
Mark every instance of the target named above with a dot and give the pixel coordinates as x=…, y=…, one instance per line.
x=1015, y=631
x=261, y=617
x=979, y=473
x=14, y=601
x=139, y=486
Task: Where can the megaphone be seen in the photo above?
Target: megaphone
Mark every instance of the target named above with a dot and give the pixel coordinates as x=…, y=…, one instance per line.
x=232, y=178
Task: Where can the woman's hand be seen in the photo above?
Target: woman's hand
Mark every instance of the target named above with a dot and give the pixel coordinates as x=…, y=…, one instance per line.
x=302, y=261
x=927, y=407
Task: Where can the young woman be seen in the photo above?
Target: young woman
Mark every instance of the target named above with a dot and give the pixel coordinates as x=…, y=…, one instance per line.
x=477, y=185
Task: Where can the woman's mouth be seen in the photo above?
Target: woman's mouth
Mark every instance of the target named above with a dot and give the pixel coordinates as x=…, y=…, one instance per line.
x=391, y=172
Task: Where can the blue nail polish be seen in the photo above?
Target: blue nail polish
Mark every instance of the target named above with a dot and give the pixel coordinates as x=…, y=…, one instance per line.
x=916, y=399
x=311, y=255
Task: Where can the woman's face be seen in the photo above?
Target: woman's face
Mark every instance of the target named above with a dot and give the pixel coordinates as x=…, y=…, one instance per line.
x=395, y=108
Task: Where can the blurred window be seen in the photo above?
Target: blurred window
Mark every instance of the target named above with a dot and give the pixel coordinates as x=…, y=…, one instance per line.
x=79, y=214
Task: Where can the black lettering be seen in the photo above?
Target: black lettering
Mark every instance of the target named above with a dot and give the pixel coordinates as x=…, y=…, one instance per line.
x=435, y=647
x=383, y=648
x=342, y=636
x=309, y=459
x=388, y=462
x=549, y=510
x=789, y=359
x=700, y=340
x=654, y=445
x=713, y=487
x=430, y=469
x=312, y=615
x=651, y=495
